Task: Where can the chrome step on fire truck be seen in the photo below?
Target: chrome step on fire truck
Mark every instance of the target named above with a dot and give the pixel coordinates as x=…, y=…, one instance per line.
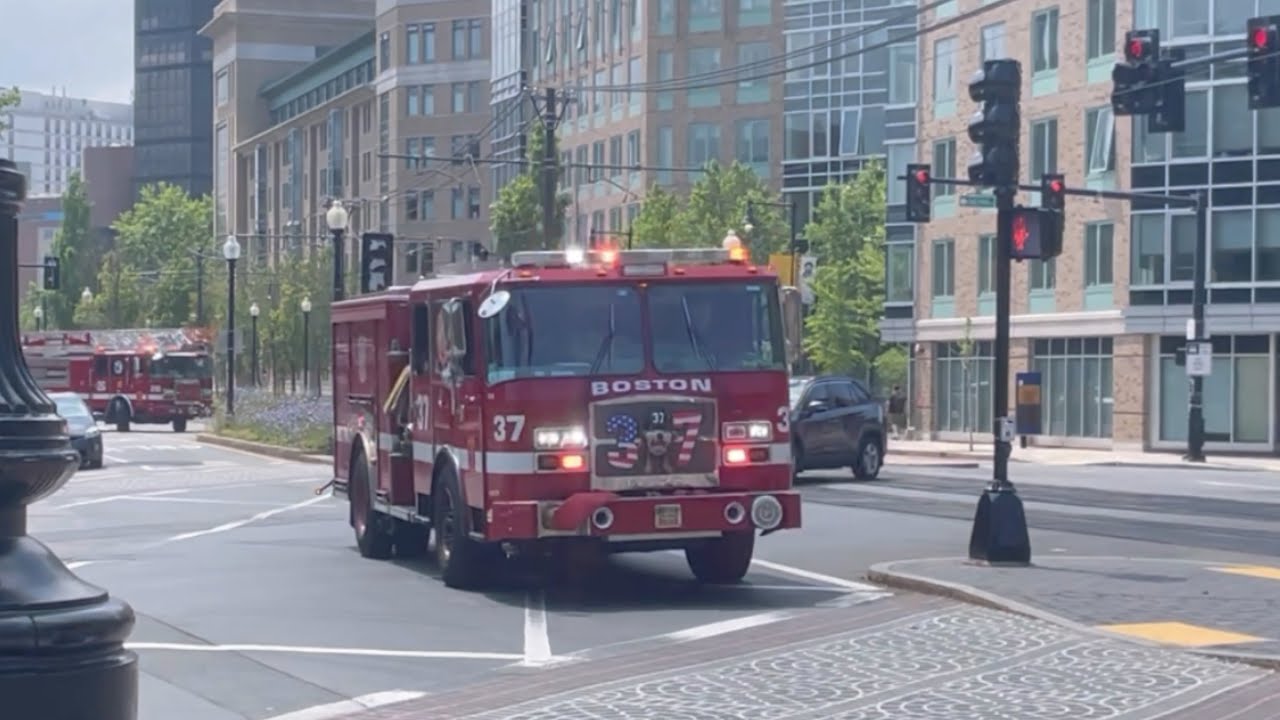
x=617, y=400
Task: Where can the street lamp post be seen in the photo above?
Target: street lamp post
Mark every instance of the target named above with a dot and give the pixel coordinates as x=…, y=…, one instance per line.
x=231, y=251
x=62, y=651
x=306, y=346
x=39, y=313
x=254, y=311
x=336, y=219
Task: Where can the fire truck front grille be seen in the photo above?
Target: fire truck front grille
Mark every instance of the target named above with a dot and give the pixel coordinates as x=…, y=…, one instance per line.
x=654, y=442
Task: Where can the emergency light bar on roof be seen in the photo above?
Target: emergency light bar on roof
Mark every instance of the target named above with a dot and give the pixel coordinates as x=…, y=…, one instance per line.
x=575, y=257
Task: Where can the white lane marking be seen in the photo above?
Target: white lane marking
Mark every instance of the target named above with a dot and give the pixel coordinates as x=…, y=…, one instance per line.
x=112, y=458
x=310, y=650
x=723, y=627
x=795, y=588
x=348, y=707
x=255, y=518
x=1246, y=486
x=199, y=501
x=816, y=576
x=114, y=498
x=537, y=641
x=78, y=564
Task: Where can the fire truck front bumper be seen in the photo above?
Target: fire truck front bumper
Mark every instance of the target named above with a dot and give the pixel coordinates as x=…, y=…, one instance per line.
x=621, y=519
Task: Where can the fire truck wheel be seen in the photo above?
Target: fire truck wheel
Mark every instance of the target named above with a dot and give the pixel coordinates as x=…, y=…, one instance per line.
x=460, y=559
x=180, y=425
x=372, y=538
x=411, y=539
x=723, y=561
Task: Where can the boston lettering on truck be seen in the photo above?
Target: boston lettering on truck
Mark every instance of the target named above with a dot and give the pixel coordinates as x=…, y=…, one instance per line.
x=611, y=400
x=142, y=376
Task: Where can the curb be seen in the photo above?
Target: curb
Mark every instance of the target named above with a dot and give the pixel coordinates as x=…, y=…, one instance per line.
x=1181, y=465
x=944, y=464
x=258, y=448
x=885, y=574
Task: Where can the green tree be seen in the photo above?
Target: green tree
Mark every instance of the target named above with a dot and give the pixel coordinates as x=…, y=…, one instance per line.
x=515, y=217
x=9, y=98
x=119, y=301
x=658, y=223
x=718, y=203
x=79, y=257
x=842, y=334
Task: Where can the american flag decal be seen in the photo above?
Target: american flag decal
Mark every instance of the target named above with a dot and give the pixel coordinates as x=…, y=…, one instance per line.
x=626, y=431
x=688, y=421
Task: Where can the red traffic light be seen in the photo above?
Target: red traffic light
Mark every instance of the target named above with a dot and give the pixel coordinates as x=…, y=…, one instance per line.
x=1260, y=38
x=922, y=177
x=1136, y=50
x=1055, y=186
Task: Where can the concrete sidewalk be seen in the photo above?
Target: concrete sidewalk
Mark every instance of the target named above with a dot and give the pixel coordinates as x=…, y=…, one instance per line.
x=906, y=450
x=1222, y=610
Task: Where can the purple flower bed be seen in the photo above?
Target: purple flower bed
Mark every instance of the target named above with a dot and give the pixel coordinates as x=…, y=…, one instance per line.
x=288, y=420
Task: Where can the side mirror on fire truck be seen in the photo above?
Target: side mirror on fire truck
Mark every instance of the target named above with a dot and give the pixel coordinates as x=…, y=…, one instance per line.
x=493, y=304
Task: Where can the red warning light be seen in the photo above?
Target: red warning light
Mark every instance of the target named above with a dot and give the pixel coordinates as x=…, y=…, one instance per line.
x=1020, y=233
x=1055, y=186
x=1258, y=39
x=1137, y=49
x=922, y=177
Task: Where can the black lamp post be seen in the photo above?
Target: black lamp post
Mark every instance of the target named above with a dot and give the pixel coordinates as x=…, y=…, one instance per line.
x=306, y=346
x=61, y=639
x=254, y=310
x=231, y=251
x=336, y=218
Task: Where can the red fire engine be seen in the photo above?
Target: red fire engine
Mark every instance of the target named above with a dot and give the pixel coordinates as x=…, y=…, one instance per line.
x=161, y=376
x=618, y=400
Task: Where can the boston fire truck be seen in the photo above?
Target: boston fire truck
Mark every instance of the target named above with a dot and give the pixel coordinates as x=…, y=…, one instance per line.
x=601, y=400
x=161, y=376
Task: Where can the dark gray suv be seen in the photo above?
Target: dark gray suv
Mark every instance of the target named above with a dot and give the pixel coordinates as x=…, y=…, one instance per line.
x=836, y=422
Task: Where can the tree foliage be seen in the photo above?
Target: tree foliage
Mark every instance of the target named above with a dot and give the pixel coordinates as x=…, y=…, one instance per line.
x=9, y=98
x=842, y=334
x=717, y=203
x=515, y=217
x=79, y=256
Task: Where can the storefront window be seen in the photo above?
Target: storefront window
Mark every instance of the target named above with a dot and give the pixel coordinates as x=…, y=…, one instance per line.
x=1076, y=386
x=1236, y=394
x=962, y=386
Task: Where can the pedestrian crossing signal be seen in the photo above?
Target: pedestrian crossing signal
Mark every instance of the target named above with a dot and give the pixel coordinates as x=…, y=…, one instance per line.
x=1035, y=234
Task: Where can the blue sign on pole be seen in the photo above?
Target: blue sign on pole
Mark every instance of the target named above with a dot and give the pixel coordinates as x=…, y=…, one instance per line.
x=1027, y=407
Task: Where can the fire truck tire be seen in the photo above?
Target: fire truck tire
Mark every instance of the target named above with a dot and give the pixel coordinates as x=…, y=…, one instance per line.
x=462, y=561
x=180, y=425
x=372, y=538
x=722, y=561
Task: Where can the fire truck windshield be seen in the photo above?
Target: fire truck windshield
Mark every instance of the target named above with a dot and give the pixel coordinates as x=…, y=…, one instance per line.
x=566, y=330
x=182, y=366
x=715, y=326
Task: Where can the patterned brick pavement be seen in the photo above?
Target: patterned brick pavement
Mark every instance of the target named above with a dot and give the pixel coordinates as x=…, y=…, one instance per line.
x=1109, y=591
x=911, y=658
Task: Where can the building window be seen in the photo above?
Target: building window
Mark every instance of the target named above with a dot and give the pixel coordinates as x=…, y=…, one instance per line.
x=384, y=51
x=597, y=161
x=665, y=154
x=616, y=162
x=223, y=87
x=428, y=42
x=1044, y=41
x=473, y=203
x=1075, y=386
x=944, y=165
x=986, y=264
x=704, y=143
x=903, y=71
x=1044, y=148
x=413, y=45
x=475, y=96
x=1100, y=32
x=703, y=62
x=666, y=17
x=633, y=149
x=944, y=281
x=753, y=89
x=1043, y=274
x=413, y=101
x=1231, y=243
x=897, y=158
x=457, y=204
x=1098, y=247
x=411, y=207
x=1232, y=129
x=427, y=204
x=752, y=147
x=944, y=73
x=962, y=385
x=475, y=38
x=1239, y=383
x=1100, y=133
x=900, y=269
x=704, y=15
x=459, y=104
x=459, y=39
x=1194, y=141
x=993, y=42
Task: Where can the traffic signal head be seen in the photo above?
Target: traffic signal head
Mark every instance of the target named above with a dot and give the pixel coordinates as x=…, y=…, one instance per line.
x=52, y=272
x=1263, y=61
x=997, y=80
x=1053, y=192
x=996, y=127
x=1142, y=47
x=918, y=196
x=1135, y=89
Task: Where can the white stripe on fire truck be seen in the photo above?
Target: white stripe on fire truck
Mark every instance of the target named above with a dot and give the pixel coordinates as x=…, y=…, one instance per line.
x=520, y=462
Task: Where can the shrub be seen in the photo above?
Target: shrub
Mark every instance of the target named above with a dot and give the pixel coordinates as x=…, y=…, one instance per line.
x=293, y=421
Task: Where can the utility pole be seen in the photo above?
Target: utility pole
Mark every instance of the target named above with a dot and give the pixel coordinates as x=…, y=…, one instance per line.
x=199, y=289
x=550, y=121
x=1197, y=334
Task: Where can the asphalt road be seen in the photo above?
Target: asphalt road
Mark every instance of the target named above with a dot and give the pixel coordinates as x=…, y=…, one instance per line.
x=253, y=602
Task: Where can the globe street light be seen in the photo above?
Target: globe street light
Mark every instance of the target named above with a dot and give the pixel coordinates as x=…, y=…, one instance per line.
x=62, y=651
x=86, y=296
x=306, y=344
x=39, y=314
x=254, y=311
x=336, y=218
x=231, y=251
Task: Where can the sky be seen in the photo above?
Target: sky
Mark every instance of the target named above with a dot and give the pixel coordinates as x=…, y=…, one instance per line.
x=85, y=46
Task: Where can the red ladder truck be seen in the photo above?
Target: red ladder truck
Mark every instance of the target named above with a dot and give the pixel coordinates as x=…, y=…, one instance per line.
x=160, y=376
x=617, y=400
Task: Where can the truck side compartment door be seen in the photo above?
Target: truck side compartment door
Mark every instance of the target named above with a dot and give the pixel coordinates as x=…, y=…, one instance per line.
x=422, y=411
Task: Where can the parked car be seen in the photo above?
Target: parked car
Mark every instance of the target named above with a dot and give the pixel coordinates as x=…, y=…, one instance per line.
x=86, y=438
x=837, y=422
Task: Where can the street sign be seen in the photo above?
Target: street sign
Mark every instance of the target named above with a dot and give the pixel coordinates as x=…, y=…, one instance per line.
x=1199, y=359
x=980, y=200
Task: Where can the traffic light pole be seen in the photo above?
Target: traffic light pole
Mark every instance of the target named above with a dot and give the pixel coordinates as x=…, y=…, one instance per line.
x=1195, y=405
x=1003, y=444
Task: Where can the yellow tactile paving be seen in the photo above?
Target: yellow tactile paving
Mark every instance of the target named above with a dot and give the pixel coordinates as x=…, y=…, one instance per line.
x=1181, y=634
x=1258, y=571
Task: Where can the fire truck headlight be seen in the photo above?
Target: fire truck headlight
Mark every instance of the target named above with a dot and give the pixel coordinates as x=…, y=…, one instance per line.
x=766, y=512
x=559, y=438
x=754, y=431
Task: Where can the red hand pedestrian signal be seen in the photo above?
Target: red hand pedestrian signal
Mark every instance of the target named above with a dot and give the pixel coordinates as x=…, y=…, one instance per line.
x=1259, y=38
x=1020, y=233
